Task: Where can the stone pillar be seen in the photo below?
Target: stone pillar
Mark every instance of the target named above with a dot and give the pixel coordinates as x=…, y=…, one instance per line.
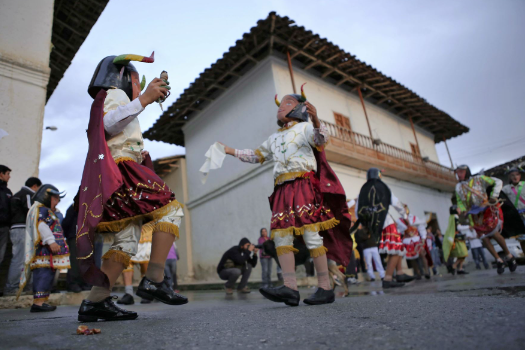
x=25, y=44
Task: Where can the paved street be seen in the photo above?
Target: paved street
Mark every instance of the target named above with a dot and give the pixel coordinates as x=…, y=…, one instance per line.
x=478, y=311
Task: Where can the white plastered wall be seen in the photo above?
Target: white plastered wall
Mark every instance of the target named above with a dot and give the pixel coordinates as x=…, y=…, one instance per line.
x=25, y=44
x=328, y=99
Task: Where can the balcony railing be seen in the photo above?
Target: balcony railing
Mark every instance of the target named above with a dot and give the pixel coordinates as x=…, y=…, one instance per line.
x=418, y=164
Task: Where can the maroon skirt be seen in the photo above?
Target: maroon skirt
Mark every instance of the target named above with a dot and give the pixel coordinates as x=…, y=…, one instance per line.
x=141, y=195
x=297, y=205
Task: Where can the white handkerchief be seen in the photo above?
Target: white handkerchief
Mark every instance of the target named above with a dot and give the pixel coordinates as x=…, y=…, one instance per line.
x=214, y=158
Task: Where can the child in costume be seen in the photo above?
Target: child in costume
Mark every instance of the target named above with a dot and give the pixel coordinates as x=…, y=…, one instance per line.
x=307, y=201
x=120, y=191
x=414, y=240
x=46, y=249
x=454, y=243
x=485, y=214
x=374, y=201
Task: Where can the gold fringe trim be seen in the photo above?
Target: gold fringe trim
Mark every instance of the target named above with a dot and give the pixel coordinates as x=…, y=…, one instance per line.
x=289, y=176
x=317, y=227
x=259, y=154
x=124, y=159
x=119, y=225
x=168, y=227
x=285, y=249
x=46, y=266
x=41, y=299
x=118, y=256
x=146, y=234
x=317, y=252
x=320, y=148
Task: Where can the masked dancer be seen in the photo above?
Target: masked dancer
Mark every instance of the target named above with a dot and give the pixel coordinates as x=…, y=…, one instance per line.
x=308, y=199
x=120, y=191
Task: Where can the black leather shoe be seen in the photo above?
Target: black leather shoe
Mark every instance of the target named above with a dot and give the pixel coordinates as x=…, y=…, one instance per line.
x=501, y=267
x=126, y=299
x=145, y=301
x=404, y=278
x=281, y=294
x=104, y=310
x=161, y=291
x=462, y=272
x=512, y=264
x=427, y=276
x=321, y=296
x=392, y=284
x=44, y=308
x=453, y=272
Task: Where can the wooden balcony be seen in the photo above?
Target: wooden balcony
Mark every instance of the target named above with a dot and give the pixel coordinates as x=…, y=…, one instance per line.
x=359, y=151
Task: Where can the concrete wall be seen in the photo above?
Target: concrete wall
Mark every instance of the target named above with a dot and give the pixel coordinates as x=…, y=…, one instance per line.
x=175, y=181
x=25, y=43
x=234, y=201
x=328, y=99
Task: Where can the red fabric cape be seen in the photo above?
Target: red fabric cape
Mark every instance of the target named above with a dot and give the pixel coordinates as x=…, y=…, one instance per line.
x=100, y=179
x=337, y=240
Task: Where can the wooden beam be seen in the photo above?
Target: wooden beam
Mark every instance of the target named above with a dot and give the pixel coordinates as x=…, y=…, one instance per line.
x=291, y=70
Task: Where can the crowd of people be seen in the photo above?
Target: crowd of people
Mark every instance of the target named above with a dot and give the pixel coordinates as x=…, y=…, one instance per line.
x=16, y=216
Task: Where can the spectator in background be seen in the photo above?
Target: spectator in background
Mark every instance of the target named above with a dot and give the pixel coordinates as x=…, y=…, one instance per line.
x=237, y=261
x=476, y=247
x=75, y=283
x=266, y=261
x=20, y=204
x=170, y=269
x=5, y=209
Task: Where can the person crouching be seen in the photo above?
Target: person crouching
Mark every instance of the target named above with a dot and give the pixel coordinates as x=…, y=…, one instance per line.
x=236, y=261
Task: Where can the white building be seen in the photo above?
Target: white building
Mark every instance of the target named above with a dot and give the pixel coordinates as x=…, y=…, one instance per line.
x=233, y=102
x=38, y=40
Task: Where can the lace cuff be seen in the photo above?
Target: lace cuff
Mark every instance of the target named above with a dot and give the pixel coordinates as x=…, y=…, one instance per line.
x=247, y=156
x=321, y=136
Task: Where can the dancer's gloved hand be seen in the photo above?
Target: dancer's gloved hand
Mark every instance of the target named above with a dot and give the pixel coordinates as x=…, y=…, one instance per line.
x=153, y=92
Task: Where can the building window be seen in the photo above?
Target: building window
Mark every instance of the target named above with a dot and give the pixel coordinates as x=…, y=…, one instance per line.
x=345, y=129
x=415, y=150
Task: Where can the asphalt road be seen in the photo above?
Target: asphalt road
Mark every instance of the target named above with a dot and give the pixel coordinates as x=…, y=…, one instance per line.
x=478, y=311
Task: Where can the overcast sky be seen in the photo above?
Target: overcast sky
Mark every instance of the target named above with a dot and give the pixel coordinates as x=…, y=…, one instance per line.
x=464, y=57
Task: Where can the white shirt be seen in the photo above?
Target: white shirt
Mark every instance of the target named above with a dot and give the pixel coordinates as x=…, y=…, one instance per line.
x=119, y=111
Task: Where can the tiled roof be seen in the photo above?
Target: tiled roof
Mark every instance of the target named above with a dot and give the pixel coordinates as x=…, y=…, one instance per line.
x=278, y=35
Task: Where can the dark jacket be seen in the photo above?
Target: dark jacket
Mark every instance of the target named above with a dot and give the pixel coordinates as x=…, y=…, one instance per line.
x=5, y=204
x=19, y=206
x=238, y=257
x=69, y=225
x=362, y=236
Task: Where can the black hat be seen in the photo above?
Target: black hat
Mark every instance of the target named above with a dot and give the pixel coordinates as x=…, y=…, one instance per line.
x=468, y=175
x=373, y=173
x=45, y=192
x=107, y=76
x=453, y=210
